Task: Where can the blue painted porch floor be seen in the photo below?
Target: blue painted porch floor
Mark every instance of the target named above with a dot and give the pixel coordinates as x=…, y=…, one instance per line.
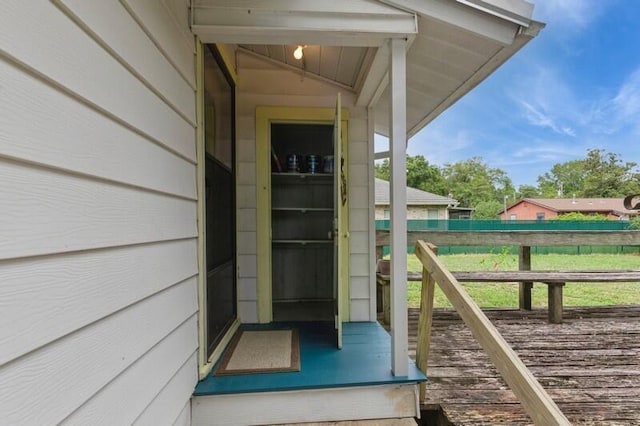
x=364, y=360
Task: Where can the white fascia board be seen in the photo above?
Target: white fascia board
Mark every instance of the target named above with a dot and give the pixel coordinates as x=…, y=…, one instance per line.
x=277, y=26
x=462, y=16
x=256, y=35
x=517, y=11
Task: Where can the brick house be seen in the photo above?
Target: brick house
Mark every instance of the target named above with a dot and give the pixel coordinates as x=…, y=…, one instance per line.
x=549, y=208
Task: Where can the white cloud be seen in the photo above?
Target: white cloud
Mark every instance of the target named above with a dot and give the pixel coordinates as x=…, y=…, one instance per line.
x=537, y=116
x=627, y=101
x=547, y=101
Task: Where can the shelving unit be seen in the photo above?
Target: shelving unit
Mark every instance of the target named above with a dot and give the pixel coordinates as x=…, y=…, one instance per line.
x=302, y=223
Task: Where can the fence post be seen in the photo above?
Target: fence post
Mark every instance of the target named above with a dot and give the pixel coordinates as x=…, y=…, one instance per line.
x=524, y=264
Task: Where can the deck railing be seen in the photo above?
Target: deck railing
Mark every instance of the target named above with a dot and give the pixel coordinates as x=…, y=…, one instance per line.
x=535, y=400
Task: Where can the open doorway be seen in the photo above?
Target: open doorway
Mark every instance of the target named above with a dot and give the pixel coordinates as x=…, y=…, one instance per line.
x=302, y=222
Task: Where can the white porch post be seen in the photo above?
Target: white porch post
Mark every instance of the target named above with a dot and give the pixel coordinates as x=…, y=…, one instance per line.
x=398, y=148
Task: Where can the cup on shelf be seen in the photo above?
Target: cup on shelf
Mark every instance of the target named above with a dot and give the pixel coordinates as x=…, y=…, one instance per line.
x=293, y=163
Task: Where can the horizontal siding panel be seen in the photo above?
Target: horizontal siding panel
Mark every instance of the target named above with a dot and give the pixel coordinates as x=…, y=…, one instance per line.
x=246, y=243
x=184, y=418
x=81, y=288
x=358, y=129
x=246, y=172
x=359, y=242
x=246, y=130
x=359, y=197
x=170, y=402
x=247, y=289
x=359, y=265
x=246, y=196
x=45, y=212
x=43, y=125
x=247, y=265
x=270, y=82
x=358, y=174
x=169, y=33
x=359, y=310
x=247, y=220
x=133, y=46
x=359, y=288
x=136, y=387
x=248, y=311
x=358, y=152
x=82, y=363
x=247, y=102
x=68, y=57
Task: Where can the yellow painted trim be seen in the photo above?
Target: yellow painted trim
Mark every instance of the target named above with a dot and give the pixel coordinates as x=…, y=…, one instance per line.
x=345, y=296
x=201, y=213
x=264, y=117
x=206, y=368
x=227, y=53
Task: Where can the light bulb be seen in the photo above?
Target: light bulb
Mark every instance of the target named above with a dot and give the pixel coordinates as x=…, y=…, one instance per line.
x=298, y=53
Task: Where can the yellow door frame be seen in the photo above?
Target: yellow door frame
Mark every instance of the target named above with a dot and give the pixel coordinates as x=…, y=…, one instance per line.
x=301, y=115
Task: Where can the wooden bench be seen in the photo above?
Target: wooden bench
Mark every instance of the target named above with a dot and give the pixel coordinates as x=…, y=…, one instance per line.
x=524, y=240
x=555, y=281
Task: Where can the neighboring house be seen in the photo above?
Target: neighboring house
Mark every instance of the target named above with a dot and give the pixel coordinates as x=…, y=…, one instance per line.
x=420, y=204
x=138, y=199
x=549, y=208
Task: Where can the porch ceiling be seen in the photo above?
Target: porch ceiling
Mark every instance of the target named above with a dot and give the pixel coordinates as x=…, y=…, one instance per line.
x=453, y=44
x=345, y=65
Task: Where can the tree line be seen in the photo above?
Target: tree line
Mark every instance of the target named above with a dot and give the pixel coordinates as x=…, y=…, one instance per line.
x=473, y=183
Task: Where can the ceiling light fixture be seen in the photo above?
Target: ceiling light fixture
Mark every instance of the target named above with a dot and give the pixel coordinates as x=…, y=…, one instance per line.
x=298, y=52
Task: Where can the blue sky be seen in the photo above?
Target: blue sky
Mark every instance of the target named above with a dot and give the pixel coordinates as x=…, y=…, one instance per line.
x=574, y=87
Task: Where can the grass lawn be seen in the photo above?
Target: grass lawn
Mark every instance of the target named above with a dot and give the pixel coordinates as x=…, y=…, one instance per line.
x=506, y=295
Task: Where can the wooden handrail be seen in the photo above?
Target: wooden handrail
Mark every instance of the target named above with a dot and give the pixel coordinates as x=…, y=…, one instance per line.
x=517, y=238
x=535, y=400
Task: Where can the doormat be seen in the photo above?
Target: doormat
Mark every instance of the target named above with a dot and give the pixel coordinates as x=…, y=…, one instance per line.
x=261, y=351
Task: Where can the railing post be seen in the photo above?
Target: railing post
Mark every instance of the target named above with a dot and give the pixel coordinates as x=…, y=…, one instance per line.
x=425, y=321
x=524, y=264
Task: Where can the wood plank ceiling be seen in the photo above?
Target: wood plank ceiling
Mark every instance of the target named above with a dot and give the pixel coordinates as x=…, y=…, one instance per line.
x=344, y=65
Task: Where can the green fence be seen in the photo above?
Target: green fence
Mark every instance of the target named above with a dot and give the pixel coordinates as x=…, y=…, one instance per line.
x=519, y=225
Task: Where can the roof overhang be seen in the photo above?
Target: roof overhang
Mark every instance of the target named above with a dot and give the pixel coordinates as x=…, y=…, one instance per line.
x=453, y=45
x=458, y=45
x=342, y=23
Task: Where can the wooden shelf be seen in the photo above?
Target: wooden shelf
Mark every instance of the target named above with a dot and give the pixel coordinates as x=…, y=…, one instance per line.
x=298, y=175
x=302, y=242
x=303, y=209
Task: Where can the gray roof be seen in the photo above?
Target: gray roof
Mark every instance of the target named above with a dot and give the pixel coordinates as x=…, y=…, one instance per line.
x=563, y=205
x=415, y=197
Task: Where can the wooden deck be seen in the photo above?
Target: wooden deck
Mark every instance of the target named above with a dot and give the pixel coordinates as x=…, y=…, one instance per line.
x=590, y=365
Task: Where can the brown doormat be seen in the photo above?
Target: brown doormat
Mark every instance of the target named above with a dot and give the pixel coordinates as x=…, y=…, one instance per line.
x=261, y=351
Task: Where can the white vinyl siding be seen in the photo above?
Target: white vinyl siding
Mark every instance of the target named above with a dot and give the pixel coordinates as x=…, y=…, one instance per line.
x=98, y=246
x=264, y=84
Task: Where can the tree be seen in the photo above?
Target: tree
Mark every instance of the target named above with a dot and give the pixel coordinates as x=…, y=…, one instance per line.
x=420, y=174
x=600, y=175
x=607, y=176
x=564, y=179
x=528, y=191
x=487, y=210
x=575, y=216
x=472, y=182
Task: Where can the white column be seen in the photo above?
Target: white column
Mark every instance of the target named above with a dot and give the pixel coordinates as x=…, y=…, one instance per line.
x=398, y=149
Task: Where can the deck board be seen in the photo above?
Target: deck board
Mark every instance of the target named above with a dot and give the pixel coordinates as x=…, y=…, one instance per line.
x=590, y=365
